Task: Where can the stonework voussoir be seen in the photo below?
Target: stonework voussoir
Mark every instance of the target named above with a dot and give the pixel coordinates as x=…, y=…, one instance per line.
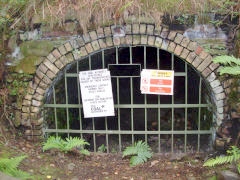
x=107, y=31
x=51, y=66
x=178, y=50
x=74, y=44
x=89, y=48
x=158, y=42
x=144, y=39
x=178, y=39
x=36, y=103
x=56, y=53
x=51, y=58
x=86, y=38
x=192, y=45
x=150, y=29
x=171, y=47
x=151, y=40
x=185, y=41
x=184, y=53
x=109, y=42
x=136, y=39
x=80, y=41
x=172, y=35
x=100, y=32
x=93, y=35
x=62, y=50
x=135, y=29
x=164, y=33
x=68, y=47
x=143, y=28
x=95, y=45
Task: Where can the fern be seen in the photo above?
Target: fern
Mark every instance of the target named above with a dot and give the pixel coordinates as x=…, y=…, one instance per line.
x=233, y=156
x=140, y=152
x=66, y=145
x=231, y=64
x=10, y=166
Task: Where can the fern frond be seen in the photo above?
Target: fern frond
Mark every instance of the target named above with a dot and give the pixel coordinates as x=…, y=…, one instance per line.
x=227, y=60
x=9, y=166
x=54, y=143
x=140, y=153
x=230, y=70
x=73, y=142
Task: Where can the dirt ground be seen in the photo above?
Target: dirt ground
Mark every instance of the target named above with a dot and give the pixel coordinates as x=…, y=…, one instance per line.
x=54, y=165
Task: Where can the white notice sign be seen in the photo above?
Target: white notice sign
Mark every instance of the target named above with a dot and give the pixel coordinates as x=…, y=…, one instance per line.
x=96, y=91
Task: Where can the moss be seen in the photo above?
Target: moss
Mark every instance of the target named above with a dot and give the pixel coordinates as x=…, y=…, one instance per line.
x=27, y=65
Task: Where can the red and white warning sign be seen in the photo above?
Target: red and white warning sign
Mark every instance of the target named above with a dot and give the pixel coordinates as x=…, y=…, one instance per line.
x=157, y=82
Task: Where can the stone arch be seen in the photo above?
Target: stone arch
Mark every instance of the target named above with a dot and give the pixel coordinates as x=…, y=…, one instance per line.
x=107, y=37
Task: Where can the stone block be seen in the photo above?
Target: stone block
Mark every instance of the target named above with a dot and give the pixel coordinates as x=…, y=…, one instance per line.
x=142, y=28
x=198, y=50
x=59, y=64
x=51, y=66
x=150, y=29
x=220, y=96
x=26, y=109
x=95, y=45
x=129, y=39
x=74, y=44
x=157, y=30
x=204, y=64
x=38, y=97
x=42, y=68
x=172, y=35
x=211, y=77
x=185, y=41
x=80, y=41
x=102, y=43
x=40, y=91
x=100, y=33
x=69, y=57
x=46, y=79
x=135, y=29
x=51, y=58
x=56, y=53
x=178, y=50
x=164, y=33
x=86, y=38
x=109, y=41
x=136, y=39
x=93, y=35
x=107, y=31
x=43, y=85
x=218, y=89
x=192, y=46
x=35, y=109
x=165, y=44
x=89, y=48
x=62, y=50
x=144, y=39
x=68, y=46
x=206, y=72
x=36, y=103
x=213, y=66
x=129, y=29
x=50, y=75
x=116, y=41
x=204, y=55
x=158, y=42
x=83, y=52
x=28, y=97
x=197, y=61
x=171, y=47
x=26, y=102
x=151, y=40
x=215, y=83
x=178, y=39
x=40, y=74
x=191, y=56
x=184, y=53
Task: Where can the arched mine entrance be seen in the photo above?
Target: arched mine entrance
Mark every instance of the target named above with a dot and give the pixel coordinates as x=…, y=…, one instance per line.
x=168, y=123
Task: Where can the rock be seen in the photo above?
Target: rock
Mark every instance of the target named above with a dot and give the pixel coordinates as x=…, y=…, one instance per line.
x=227, y=175
x=71, y=166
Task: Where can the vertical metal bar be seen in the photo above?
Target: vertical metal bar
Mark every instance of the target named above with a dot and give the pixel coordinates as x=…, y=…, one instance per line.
x=186, y=113
x=55, y=110
x=66, y=95
x=145, y=97
x=94, y=135
x=79, y=101
x=159, y=110
x=199, y=111
x=131, y=96
x=172, y=140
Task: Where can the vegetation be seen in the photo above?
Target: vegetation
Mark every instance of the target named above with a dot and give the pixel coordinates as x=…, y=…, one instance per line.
x=233, y=156
x=70, y=144
x=10, y=166
x=140, y=152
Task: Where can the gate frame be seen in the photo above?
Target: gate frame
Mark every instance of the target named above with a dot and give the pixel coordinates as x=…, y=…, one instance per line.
x=109, y=37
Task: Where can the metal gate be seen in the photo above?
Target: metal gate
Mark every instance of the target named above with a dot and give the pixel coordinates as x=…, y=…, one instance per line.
x=178, y=123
